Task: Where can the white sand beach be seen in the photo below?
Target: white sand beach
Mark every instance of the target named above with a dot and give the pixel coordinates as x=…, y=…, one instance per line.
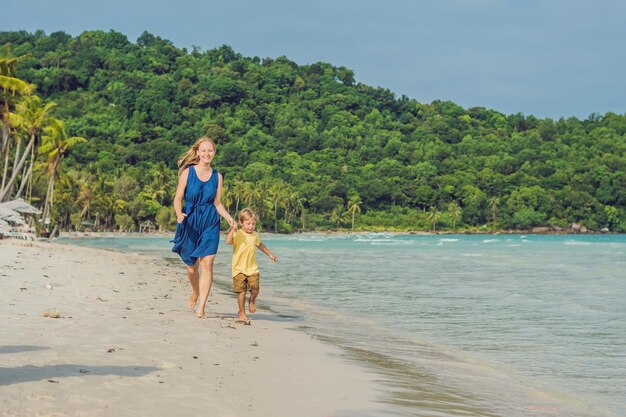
x=125, y=345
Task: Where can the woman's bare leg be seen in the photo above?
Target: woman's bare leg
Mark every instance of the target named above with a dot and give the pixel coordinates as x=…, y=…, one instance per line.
x=206, y=280
x=194, y=279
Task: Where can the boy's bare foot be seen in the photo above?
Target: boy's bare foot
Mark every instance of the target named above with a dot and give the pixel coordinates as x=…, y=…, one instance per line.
x=252, y=307
x=201, y=316
x=243, y=321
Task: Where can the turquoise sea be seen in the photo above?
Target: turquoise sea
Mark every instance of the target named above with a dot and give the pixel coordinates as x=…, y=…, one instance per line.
x=455, y=325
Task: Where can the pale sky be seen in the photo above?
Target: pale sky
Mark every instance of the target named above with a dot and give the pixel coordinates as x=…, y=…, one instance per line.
x=550, y=58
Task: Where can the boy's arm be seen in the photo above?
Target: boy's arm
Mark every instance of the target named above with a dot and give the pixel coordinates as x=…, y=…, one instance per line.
x=229, y=236
x=266, y=251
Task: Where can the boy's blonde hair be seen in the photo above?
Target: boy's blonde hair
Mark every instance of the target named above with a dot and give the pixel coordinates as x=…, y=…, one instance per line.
x=246, y=214
x=191, y=156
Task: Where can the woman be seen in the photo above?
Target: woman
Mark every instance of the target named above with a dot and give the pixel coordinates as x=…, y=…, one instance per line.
x=198, y=229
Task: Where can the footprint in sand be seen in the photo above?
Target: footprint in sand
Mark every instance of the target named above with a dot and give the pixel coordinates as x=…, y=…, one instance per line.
x=40, y=397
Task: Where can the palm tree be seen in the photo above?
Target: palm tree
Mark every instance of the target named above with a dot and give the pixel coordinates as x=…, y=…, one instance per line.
x=433, y=217
x=493, y=203
x=32, y=117
x=262, y=199
x=10, y=86
x=55, y=143
x=354, y=207
x=227, y=196
x=67, y=188
x=10, y=173
x=294, y=204
x=277, y=192
x=255, y=196
x=238, y=190
x=250, y=193
x=9, y=83
x=338, y=215
x=455, y=212
x=96, y=199
x=86, y=197
x=160, y=182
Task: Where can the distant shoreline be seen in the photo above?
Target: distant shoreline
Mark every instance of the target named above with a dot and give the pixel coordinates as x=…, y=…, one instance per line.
x=347, y=232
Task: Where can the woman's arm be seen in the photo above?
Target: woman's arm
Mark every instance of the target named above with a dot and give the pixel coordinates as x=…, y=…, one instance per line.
x=180, y=193
x=217, y=202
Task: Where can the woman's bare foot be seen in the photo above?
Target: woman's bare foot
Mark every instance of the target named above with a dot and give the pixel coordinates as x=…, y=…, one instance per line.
x=193, y=300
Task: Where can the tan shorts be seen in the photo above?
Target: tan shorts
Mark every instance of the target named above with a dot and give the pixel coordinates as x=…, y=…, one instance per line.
x=241, y=282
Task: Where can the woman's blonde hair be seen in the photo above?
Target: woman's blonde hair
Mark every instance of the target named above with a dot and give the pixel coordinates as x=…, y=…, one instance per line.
x=191, y=156
x=247, y=213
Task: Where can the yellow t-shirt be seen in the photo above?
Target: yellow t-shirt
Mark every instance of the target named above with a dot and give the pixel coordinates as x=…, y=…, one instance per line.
x=244, y=252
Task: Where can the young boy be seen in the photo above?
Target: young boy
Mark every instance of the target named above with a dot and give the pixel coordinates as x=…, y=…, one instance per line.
x=245, y=270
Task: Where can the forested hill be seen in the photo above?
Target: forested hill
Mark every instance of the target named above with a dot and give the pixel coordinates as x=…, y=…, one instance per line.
x=307, y=145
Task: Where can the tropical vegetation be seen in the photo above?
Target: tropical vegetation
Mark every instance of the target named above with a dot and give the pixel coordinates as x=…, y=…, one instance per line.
x=92, y=127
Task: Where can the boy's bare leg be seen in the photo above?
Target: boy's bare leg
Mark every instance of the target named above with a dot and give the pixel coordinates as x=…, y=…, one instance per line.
x=194, y=278
x=241, y=302
x=206, y=280
x=252, y=301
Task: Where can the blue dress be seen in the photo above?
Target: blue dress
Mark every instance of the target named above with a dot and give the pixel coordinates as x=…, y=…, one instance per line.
x=199, y=234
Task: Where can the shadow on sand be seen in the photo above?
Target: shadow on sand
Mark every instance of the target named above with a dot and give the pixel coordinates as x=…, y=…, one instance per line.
x=29, y=373
x=21, y=348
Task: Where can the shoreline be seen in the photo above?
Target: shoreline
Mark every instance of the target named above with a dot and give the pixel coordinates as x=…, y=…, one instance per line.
x=321, y=324
x=77, y=235
x=124, y=344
